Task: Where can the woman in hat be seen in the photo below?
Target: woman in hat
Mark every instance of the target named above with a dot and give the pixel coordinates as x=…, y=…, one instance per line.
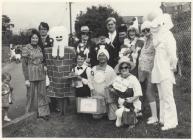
x=145, y=67
x=101, y=44
x=101, y=77
x=33, y=69
x=128, y=89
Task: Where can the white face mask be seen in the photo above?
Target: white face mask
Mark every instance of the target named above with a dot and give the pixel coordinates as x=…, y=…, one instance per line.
x=155, y=29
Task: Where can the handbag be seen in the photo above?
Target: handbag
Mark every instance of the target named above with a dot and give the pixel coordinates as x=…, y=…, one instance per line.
x=129, y=117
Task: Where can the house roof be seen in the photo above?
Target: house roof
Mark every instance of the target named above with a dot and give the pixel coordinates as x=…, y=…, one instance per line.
x=128, y=19
x=171, y=4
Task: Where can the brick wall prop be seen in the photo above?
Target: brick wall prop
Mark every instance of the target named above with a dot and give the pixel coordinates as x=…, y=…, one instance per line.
x=58, y=73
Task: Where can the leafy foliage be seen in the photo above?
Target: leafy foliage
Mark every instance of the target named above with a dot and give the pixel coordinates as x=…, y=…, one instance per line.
x=22, y=38
x=95, y=18
x=6, y=32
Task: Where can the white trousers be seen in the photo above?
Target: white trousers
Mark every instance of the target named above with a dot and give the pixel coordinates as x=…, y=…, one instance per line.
x=168, y=113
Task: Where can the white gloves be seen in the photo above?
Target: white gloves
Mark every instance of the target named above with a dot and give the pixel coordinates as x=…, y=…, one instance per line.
x=27, y=83
x=84, y=81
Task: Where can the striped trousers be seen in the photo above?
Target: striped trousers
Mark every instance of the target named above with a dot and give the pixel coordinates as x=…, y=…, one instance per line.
x=37, y=101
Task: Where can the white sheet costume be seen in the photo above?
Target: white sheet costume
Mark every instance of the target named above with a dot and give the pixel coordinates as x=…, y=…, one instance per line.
x=164, y=66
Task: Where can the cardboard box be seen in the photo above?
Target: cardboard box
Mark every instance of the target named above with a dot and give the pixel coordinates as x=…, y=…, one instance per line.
x=91, y=105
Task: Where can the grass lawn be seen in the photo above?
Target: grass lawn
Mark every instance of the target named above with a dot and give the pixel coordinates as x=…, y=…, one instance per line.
x=83, y=125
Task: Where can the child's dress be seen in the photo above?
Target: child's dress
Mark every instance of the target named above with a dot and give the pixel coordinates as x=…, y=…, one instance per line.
x=134, y=48
x=82, y=90
x=84, y=49
x=6, y=95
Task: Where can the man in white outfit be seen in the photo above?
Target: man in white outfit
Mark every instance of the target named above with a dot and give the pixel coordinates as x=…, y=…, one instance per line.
x=164, y=66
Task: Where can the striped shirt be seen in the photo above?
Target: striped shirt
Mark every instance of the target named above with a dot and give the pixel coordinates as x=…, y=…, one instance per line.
x=32, y=63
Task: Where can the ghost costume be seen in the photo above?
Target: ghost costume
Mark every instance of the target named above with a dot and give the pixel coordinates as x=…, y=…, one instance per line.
x=163, y=70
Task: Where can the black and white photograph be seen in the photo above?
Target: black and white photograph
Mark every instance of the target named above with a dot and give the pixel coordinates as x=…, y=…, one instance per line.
x=96, y=69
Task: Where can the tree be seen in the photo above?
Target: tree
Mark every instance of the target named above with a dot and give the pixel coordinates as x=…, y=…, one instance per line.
x=6, y=29
x=22, y=38
x=5, y=22
x=95, y=18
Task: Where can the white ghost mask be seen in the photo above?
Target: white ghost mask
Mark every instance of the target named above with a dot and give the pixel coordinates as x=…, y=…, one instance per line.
x=60, y=38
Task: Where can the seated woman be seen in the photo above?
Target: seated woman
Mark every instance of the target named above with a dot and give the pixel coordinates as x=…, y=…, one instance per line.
x=128, y=89
x=101, y=77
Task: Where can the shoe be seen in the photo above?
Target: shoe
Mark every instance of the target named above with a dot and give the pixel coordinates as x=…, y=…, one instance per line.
x=139, y=114
x=152, y=120
x=131, y=127
x=7, y=119
x=46, y=118
x=161, y=123
x=165, y=128
x=118, y=122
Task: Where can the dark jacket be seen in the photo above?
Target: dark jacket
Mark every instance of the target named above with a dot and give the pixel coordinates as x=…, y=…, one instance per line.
x=93, y=53
x=113, y=51
x=48, y=43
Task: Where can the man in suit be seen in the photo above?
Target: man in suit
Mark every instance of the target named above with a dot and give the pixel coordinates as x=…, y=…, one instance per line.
x=113, y=40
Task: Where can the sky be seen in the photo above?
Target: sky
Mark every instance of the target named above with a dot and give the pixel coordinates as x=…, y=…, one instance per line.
x=29, y=14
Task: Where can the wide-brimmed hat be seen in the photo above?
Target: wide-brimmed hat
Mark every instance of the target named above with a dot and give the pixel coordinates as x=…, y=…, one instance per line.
x=122, y=60
x=146, y=24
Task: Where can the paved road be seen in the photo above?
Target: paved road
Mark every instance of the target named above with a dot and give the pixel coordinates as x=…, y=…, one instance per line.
x=18, y=107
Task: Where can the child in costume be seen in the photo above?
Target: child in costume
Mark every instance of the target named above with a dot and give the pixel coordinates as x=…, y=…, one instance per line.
x=83, y=73
x=6, y=95
x=85, y=44
x=132, y=47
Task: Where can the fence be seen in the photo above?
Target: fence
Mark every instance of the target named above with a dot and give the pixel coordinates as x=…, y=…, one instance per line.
x=182, y=34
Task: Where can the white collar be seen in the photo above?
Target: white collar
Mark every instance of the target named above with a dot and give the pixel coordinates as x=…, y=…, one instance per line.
x=44, y=37
x=80, y=71
x=112, y=35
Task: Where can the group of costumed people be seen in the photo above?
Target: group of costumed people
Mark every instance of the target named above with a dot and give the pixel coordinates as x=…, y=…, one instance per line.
x=112, y=71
